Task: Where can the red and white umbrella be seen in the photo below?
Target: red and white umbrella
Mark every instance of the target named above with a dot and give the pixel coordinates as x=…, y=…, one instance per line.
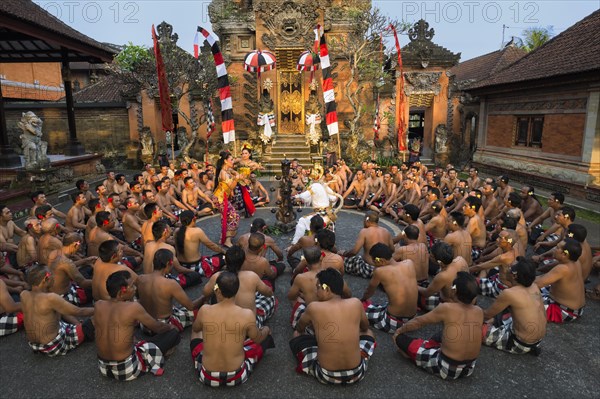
x=308, y=61
x=259, y=61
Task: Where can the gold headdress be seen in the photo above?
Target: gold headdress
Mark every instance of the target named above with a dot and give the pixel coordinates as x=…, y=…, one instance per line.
x=317, y=172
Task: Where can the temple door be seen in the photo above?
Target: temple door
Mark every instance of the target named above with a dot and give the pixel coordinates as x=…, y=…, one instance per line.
x=291, y=104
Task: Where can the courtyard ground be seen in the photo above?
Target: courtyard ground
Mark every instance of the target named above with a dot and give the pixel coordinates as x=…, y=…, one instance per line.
x=567, y=367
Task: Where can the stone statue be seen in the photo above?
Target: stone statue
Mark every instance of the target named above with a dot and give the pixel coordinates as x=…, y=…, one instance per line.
x=34, y=149
x=441, y=137
x=266, y=117
x=312, y=127
x=182, y=139
x=148, y=145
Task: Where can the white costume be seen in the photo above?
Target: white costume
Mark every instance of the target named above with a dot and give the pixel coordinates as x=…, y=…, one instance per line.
x=321, y=198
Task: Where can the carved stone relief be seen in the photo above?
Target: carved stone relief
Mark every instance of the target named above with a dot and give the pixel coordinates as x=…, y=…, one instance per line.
x=289, y=23
x=422, y=82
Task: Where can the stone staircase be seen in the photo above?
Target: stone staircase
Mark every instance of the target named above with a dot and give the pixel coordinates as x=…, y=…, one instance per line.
x=288, y=146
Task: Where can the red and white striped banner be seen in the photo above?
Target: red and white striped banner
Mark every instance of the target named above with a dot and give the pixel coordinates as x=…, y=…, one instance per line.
x=401, y=131
x=328, y=93
x=227, y=124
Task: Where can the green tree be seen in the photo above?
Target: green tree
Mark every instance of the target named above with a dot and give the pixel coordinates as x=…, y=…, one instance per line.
x=135, y=69
x=536, y=37
x=361, y=49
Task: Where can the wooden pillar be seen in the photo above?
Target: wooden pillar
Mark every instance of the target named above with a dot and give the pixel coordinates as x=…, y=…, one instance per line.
x=8, y=157
x=74, y=147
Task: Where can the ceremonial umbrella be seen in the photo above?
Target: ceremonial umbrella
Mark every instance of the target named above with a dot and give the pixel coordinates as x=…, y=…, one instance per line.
x=308, y=61
x=259, y=61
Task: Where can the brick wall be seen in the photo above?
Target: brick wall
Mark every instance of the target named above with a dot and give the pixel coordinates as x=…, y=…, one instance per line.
x=563, y=134
x=500, y=131
x=99, y=130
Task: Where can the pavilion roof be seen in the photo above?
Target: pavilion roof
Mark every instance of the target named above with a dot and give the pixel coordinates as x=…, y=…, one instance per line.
x=486, y=65
x=574, y=51
x=28, y=33
x=105, y=90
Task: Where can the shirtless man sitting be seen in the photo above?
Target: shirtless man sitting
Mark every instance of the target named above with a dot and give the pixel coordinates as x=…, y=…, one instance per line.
x=115, y=320
x=11, y=316
x=259, y=194
x=156, y=294
x=132, y=225
x=170, y=206
x=110, y=253
x=475, y=226
x=259, y=264
x=49, y=241
x=530, y=204
x=76, y=214
x=191, y=195
x=565, y=300
x=226, y=344
x=188, y=239
x=259, y=226
x=316, y=224
x=458, y=237
x=8, y=229
x=39, y=199
x=100, y=233
x=342, y=360
x=416, y=252
x=68, y=280
x=489, y=202
x=440, y=289
x=42, y=312
x=436, y=227
x=399, y=282
x=524, y=330
x=27, y=250
x=503, y=279
x=355, y=193
x=455, y=356
x=161, y=231
x=535, y=228
x=409, y=215
x=370, y=235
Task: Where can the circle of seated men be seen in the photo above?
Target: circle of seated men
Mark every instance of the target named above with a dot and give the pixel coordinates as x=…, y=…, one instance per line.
x=142, y=240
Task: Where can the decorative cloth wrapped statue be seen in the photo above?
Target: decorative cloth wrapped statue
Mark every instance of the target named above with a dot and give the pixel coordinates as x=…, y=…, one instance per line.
x=266, y=117
x=313, y=118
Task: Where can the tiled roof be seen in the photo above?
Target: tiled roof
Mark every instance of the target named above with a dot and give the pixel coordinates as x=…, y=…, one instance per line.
x=481, y=67
x=576, y=50
x=36, y=29
x=106, y=90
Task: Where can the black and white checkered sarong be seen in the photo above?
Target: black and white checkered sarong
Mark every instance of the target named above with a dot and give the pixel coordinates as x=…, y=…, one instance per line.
x=357, y=266
x=380, y=318
x=253, y=352
x=146, y=358
x=556, y=312
x=10, y=323
x=309, y=364
x=428, y=355
x=491, y=287
x=68, y=338
x=503, y=337
x=265, y=308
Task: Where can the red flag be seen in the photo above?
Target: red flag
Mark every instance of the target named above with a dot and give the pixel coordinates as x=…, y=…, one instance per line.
x=401, y=131
x=163, y=87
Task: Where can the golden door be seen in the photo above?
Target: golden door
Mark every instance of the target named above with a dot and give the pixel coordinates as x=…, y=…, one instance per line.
x=291, y=102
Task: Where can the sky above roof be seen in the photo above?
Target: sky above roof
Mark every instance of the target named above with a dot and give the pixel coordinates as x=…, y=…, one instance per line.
x=472, y=28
